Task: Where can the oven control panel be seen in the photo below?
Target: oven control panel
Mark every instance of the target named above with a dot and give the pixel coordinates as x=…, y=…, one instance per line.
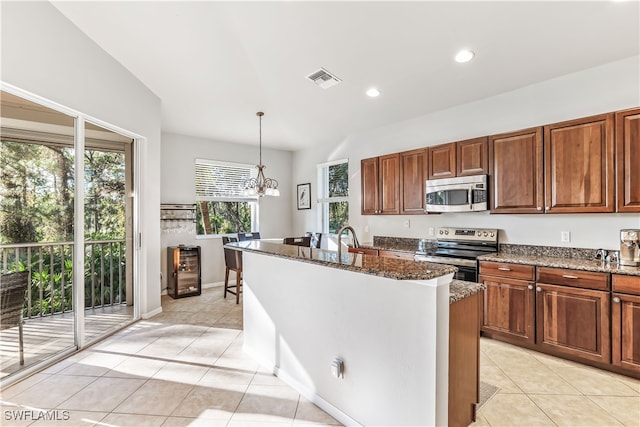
x=469, y=234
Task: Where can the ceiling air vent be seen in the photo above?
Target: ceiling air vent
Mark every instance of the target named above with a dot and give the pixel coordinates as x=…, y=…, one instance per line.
x=323, y=78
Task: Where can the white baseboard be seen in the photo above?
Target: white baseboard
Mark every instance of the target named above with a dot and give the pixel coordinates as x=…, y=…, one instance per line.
x=305, y=391
x=151, y=313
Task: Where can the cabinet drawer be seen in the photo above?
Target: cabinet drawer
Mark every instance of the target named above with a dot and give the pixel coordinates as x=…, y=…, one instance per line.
x=365, y=251
x=503, y=269
x=396, y=254
x=626, y=284
x=576, y=278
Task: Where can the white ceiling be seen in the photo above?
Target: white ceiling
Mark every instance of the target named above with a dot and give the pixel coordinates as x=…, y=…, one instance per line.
x=215, y=64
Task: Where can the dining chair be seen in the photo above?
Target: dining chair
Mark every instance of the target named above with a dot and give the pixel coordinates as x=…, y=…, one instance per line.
x=233, y=262
x=298, y=241
x=248, y=236
x=316, y=239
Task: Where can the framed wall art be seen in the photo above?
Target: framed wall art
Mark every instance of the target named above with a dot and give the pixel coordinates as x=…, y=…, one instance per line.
x=304, y=196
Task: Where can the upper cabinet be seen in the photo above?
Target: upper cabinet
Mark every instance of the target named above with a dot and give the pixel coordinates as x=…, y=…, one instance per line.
x=413, y=173
x=380, y=183
x=628, y=159
x=460, y=158
x=516, y=178
x=442, y=161
x=471, y=157
x=579, y=168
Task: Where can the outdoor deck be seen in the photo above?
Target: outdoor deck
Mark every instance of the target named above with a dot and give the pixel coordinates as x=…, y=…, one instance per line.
x=45, y=336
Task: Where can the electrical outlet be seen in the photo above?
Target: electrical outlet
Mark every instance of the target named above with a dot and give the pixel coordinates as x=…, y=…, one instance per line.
x=565, y=236
x=407, y=224
x=432, y=231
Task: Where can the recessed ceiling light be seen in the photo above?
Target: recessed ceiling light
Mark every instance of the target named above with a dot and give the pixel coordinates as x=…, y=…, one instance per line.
x=373, y=92
x=464, y=56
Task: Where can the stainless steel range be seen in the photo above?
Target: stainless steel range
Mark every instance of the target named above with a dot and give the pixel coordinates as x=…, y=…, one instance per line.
x=461, y=247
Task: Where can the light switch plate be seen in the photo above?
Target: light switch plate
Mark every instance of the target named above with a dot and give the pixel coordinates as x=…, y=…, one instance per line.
x=565, y=236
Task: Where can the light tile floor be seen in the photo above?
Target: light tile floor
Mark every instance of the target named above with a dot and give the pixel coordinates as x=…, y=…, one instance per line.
x=541, y=390
x=182, y=367
x=186, y=367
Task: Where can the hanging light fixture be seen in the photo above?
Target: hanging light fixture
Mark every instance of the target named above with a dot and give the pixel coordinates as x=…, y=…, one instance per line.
x=261, y=185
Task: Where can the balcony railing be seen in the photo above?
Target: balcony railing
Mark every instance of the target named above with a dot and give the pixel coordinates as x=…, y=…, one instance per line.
x=51, y=268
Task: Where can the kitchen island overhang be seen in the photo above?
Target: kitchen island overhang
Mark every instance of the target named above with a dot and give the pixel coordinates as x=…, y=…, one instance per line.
x=303, y=310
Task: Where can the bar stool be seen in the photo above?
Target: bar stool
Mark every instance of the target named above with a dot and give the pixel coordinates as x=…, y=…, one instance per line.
x=233, y=262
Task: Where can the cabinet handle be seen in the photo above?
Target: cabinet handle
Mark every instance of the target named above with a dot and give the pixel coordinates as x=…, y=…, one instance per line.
x=504, y=269
x=616, y=300
x=539, y=289
x=539, y=208
x=530, y=287
x=546, y=208
x=569, y=276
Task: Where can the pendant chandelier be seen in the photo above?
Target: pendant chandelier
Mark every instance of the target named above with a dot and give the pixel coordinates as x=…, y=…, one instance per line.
x=261, y=185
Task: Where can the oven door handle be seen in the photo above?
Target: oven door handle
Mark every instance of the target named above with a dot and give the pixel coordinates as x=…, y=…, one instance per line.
x=470, y=197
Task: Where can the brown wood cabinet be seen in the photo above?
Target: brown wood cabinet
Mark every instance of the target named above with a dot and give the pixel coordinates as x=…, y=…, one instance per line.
x=472, y=157
x=464, y=360
x=442, y=161
x=396, y=254
x=461, y=158
x=413, y=173
x=516, y=172
x=573, y=321
x=579, y=166
x=628, y=160
x=625, y=323
x=509, y=301
x=380, y=185
x=370, y=191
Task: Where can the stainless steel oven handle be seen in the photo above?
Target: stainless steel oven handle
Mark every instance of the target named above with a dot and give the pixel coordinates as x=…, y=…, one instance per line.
x=470, y=197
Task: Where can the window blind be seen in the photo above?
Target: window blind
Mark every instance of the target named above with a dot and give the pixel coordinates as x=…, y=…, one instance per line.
x=217, y=180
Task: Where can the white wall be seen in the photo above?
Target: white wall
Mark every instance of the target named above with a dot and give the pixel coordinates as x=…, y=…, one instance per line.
x=393, y=336
x=45, y=54
x=610, y=87
x=178, y=177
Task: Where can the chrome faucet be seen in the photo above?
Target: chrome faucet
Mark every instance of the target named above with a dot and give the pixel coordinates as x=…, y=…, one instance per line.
x=356, y=244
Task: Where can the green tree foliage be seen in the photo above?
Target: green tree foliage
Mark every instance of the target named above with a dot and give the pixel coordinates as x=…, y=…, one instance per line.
x=223, y=217
x=37, y=188
x=338, y=187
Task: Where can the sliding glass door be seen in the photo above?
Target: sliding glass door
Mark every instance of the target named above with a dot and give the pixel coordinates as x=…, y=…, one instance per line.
x=75, y=241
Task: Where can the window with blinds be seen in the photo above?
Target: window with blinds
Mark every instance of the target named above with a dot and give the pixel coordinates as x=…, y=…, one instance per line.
x=222, y=209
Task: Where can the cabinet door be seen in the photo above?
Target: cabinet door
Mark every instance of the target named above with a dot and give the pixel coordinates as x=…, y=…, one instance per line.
x=579, y=172
x=625, y=331
x=413, y=166
x=442, y=161
x=472, y=157
x=516, y=172
x=573, y=322
x=508, y=309
x=628, y=159
x=369, y=186
x=389, y=184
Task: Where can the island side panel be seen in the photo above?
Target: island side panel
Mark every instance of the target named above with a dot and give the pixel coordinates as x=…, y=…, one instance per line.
x=391, y=334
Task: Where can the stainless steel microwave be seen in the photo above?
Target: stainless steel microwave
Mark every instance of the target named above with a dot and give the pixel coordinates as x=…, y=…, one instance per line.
x=461, y=194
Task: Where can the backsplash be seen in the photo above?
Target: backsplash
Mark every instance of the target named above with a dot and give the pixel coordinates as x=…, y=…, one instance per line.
x=549, y=251
x=401, y=243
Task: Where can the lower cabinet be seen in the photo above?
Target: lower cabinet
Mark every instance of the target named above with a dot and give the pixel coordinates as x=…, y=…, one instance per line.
x=509, y=302
x=589, y=317
x=625, y=323
x=573, y=321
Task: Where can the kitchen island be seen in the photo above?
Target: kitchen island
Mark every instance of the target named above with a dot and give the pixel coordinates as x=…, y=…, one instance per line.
x=385, y=319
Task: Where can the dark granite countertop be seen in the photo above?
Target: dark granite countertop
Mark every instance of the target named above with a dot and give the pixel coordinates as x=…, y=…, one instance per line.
x=392, y=268
x=460, y=289
x=562, y=262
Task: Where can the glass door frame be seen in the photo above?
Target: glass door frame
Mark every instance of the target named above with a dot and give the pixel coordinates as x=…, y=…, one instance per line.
x=80, y=119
